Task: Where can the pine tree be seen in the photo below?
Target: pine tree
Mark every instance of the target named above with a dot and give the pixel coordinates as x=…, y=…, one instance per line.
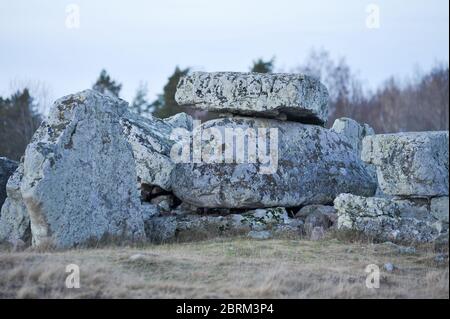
x=140, y=105
x=261, y=66
x=106, y=85
x=166, y=105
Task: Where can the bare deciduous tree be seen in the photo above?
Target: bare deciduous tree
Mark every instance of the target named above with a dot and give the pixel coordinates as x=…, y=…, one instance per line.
x=418, y=104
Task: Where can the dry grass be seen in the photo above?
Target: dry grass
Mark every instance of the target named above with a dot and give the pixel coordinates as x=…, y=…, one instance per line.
x=226, y=268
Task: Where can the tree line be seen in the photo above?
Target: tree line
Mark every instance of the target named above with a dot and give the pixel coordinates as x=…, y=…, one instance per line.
x=420, y=103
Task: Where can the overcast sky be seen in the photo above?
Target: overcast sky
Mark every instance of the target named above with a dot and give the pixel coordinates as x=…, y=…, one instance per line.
x=145, y=40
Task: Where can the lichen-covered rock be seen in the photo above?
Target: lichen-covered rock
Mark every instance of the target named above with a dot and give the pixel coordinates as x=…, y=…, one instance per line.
x=308, y=165
x=15, y=220
x=164, y=202
x=439, y=208
x=187, y=227
x=293, y=96
x=409, y=164
x=150, y=140
x=80, y=183
x=317, y=220
x=261, y=235
x=352, y=131
x=149, y=211
x=180, y=120
x=7, y=168
x=387, y=220
x=262, y=219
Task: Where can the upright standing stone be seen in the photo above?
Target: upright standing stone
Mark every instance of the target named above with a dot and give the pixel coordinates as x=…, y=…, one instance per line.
x=293, y=96
x=409, y=164
x=79, y=182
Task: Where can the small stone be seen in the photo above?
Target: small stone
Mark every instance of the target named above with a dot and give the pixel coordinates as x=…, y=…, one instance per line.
x=259, y=234
x=317, y=220
x=352, y=131
x=317, y=216
x=389, y=267
x=311, y=209
x=164, y=202
x=441, y=258
x=136, y=257
x=406, y=250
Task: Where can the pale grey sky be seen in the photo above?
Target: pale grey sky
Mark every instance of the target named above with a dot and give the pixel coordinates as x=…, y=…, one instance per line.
x=145, y=40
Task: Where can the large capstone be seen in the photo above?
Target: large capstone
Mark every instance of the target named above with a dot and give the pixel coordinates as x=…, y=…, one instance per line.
x=7, y=168
x=80, y=183
x=293, y=96
x=295, y=165
x=409, y=164
x=400, y=220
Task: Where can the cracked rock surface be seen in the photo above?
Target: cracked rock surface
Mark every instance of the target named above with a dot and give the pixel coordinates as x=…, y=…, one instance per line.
x=388, y=220
x=82, y=172
x=409, y=164
x=79, y=184
x=151, y=144
x=314, y=165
